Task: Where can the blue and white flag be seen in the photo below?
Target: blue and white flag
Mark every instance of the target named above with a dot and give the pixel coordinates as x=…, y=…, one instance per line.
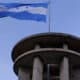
x=34, y=11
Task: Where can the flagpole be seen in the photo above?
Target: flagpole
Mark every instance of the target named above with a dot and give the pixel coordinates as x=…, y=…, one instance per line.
x=49, y=17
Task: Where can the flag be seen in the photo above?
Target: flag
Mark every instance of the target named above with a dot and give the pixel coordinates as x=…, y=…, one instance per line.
x=34, y=11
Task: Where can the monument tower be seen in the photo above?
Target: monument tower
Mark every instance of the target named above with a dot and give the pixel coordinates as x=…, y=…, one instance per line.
x=47, y=56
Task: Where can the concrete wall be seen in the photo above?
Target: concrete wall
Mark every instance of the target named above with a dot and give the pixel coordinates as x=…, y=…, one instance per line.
x=75, y=74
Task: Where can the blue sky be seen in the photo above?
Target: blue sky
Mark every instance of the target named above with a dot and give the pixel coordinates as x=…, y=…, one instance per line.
x=65, y=17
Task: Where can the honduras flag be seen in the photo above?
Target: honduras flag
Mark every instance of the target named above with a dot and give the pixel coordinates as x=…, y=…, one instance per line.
x=34, y=11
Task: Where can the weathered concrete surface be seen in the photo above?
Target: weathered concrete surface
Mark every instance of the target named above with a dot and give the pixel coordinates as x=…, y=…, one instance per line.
x=23, y=74
x=64, y=69
x=37, y=69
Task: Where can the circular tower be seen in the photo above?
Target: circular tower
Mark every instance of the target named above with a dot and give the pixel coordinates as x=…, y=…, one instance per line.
x=47, y=56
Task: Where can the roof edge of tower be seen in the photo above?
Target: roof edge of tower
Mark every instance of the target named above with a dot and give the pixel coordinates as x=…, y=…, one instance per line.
x=34, y=36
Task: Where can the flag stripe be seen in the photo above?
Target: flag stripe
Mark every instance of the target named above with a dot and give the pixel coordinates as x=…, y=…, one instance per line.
x=37, y=10
x=10, y=5
x=29, y=16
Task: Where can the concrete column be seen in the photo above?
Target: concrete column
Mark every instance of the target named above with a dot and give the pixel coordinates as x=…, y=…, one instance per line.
x=37, y=69
x=23, y=74
x=64, y=69
x=37, y=46
x=65, y=46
